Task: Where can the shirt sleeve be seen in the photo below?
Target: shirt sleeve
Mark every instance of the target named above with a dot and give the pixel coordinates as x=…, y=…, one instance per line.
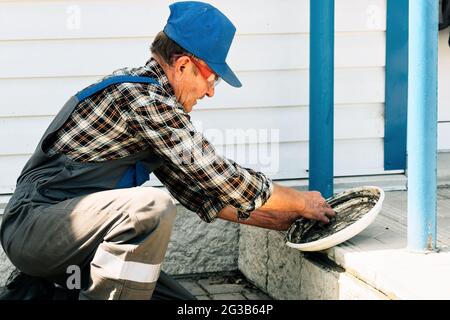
x=214, y=181
x=184, y=189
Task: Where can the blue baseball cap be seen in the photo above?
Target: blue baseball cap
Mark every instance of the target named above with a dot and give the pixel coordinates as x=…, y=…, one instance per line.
x=205, y=32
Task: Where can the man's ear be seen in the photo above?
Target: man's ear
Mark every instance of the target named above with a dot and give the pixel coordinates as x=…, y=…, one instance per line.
x=180, y=66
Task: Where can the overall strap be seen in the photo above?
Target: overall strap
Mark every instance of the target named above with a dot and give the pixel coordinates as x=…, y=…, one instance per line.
x=136, y=173
x=89, y=91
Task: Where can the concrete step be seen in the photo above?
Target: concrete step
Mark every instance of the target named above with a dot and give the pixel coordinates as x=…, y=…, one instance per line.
x=374, y=264
x=287, y=274
x=379, y=255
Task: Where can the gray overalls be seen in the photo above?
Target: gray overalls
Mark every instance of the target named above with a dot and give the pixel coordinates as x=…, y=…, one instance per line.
x=94, y=216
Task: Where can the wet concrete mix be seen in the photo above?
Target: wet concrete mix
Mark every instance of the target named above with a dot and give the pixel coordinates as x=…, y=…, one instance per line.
x=349, y=208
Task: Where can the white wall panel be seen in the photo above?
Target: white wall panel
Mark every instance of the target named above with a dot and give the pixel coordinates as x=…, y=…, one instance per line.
x=285, y=161
x=290, y=123
x=444, y=77
x=444, y=136
x=136, y=18
x=20, y=135
x=87, y=57
x=49, y=50
x=10, y=168
x=45, y=96
x=38, y=96
x=81, y=19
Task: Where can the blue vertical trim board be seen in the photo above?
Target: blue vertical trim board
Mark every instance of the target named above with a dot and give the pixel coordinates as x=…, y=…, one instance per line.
x=422, y=125
x=321, y=96
x=395, y=115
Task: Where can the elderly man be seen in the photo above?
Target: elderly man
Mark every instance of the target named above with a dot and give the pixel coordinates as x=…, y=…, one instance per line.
x=78, y=201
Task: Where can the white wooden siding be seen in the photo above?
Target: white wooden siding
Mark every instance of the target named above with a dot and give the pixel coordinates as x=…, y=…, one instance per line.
x=21, y=20
x=42, y=64
x=444, y=91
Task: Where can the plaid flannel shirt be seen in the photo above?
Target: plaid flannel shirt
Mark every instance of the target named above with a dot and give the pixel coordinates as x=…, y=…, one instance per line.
x=131, y=117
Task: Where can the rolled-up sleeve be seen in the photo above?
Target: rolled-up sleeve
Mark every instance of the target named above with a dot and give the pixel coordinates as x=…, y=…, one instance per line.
x=214, y=181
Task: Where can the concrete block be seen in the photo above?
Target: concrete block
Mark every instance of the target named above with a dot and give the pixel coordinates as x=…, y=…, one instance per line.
x=253, y=255
x=198, y=247
x=284, y=269
x=6, y=267
x=318, y=282
x=290, y=276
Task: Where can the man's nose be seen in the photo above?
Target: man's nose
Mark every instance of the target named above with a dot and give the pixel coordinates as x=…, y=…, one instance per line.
x=210, y=92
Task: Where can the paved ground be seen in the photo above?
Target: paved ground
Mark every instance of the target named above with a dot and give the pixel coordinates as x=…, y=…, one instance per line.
x=214, y=286
x=221, y=286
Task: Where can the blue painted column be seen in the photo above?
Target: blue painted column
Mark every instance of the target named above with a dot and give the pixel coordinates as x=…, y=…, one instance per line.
x=395, y=109
x=321, y=96
x=422, y=124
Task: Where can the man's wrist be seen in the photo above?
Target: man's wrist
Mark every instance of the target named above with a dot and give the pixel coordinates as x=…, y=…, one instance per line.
x=301, y=202
x=294, y=200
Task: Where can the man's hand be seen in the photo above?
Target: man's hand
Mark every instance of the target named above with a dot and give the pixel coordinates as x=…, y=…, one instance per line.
x=316, y=207
x=283, y=208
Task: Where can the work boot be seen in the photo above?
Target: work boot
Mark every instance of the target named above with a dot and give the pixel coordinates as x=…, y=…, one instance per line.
x=21, y=286
x=62, y=293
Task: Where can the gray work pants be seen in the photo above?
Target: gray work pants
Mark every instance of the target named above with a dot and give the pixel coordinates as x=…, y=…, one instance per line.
x=117, y=238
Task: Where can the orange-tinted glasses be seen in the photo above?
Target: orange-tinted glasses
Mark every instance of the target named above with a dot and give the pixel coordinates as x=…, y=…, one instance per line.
x=210, y=76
